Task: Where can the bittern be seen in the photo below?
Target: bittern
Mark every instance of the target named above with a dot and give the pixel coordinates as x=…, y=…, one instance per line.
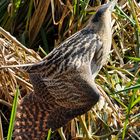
x=64, y=81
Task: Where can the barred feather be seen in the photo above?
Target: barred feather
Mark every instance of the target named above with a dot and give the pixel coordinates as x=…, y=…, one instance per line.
x=63, y=82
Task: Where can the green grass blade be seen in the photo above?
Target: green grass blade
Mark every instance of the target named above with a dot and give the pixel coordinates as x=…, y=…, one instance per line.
x=126, y=16
x=129, y=88
x=124, y=128
x=136, y=101
x=13, y=115
x=49, y=135
x=1, y=129
x=136, y=59
x=128, y=114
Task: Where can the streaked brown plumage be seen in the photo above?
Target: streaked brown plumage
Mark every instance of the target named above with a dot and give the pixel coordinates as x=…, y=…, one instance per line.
x=63, y=82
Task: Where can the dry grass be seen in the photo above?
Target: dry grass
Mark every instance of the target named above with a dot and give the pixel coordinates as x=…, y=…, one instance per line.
x=12, y=53
x=117, y=115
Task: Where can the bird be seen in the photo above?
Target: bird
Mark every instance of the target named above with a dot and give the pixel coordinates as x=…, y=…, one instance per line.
x=64, y=81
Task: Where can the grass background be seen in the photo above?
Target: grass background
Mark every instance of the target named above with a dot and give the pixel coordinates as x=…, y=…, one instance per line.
x=41, y=26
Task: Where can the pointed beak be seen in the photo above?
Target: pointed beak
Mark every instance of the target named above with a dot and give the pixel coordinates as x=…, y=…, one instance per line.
x=108, y=6
x=111, y=5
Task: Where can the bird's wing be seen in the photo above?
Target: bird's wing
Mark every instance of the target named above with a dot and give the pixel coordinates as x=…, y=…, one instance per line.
x=80, y=46
x=63, y=100
x=70, y=88
x=72, y=91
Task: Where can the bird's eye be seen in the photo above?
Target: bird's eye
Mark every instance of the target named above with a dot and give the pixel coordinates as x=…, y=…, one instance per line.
x=97, y=16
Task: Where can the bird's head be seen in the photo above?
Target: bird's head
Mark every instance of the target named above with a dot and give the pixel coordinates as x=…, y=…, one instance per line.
x=103, y=16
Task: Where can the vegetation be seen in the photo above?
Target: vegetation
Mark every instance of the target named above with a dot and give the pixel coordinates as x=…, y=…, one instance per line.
x=42, y=25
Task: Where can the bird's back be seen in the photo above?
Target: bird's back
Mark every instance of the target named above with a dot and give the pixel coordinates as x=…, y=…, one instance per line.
x=73, y=53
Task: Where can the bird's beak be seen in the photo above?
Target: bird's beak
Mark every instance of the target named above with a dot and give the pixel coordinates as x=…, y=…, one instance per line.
x=111, y=5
